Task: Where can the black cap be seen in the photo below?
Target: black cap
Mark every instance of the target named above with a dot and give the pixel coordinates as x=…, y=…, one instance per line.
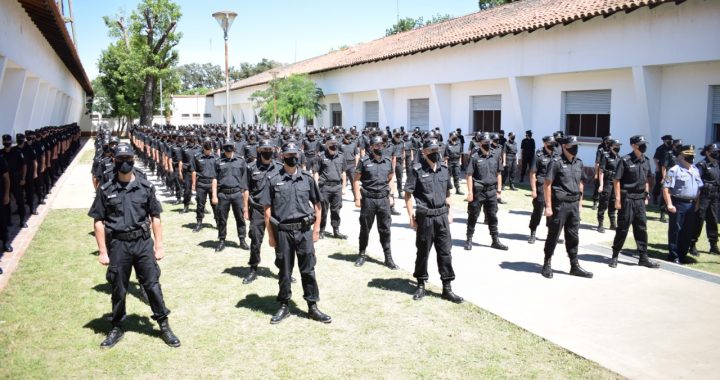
x=331, y=140
x=666, y=137
x=528, y=132
x=615, y=142
x=290, y=147
x=638, y=140
x=377, y=140
x=511, y=134
x=548, y=139
x=20, y=136
x=494, y=136
x=266, y=143
x=123, y=150
x=431, y=144
x=608, y=138
x=7, y=138
x=229, y=142
x=482, y=136
x=114, y=140
x=568, y=140
x=688, y=150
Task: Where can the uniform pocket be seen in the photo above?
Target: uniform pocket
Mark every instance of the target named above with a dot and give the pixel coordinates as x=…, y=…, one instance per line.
x=111, y=274
x=114, y=206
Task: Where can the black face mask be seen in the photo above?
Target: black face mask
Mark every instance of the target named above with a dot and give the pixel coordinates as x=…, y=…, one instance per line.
x=377, y=152
x=7, y=144
x=125, y=167
x=572, y=150
x=668, y=143
x=332, y=149
x=486, y=147
x=266, y=155
x=291, y=161
x=616, y=150
x=550, y=147
x=715, y=155
x=689, y=159
x=512, y=139
x=20, y=142
x=434, y=157
x=642, y=148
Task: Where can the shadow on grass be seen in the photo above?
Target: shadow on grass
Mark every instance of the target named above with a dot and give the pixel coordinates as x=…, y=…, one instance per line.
x=192, y=225
x=351, y=257
x=241, y=272
x=401, y=285
x=213, y=243
x=524, y=266
x=135, y=323
x=266, y=305
x=134, y=289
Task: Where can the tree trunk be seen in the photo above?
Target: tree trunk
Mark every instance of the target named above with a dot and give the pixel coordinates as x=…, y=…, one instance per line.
x=148, y=101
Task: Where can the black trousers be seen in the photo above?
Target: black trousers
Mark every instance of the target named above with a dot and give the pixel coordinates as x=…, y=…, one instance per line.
x=631, y=213
x=509, y=170
x=18, y=193
x=538, y=208
x=433, y=230
x=399, y=177
x=4, y=212
x=331, y=201
x=257, y=233
x=596, y=190
x=187, y=186
x=454, y=167
x=525, y=165
x=607, y=202
x=39, y=187
x=176, y=183
x=290, y=244
x=225, y=202
x=138, y=254
x=565, y=215
x=371, y=208
x=202, y=193
x=707, y=213
x=657, y=189
x=29, y=194
x=488, y=199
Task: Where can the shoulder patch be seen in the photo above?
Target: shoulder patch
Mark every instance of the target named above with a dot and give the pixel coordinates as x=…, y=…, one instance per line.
x=417, y=166
x=626, y=157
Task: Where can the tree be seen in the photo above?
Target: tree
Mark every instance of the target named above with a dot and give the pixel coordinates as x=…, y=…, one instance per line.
x=487, y=4
x=297, y=96
x=247, y=69
x=410, y=23
x=120, y=82
x=200, y=78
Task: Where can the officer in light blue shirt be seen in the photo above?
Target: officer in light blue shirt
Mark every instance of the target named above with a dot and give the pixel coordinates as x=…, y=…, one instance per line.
x=681, y=189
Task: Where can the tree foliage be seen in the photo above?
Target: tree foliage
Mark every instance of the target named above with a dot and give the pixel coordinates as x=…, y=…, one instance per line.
x=409, y=23
x=297, y=97
x=201, y=78
x=486, y=4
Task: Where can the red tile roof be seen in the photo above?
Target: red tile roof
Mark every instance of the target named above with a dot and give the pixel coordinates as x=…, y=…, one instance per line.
x=512, y=18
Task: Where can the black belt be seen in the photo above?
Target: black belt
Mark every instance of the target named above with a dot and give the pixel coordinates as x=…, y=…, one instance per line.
x=566, y=197
x=634, y=194
x=130, y=235
x=230, y=191
x=682, y=200
x=257, y=206
x=431, y=211
x=204, y=180
x=301, y=225
x=483, y=187
x=374, y=195
x=332, y=182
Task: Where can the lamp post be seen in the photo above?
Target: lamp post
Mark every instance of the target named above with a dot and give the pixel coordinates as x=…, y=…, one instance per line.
x=225, y=19
x=274, y=74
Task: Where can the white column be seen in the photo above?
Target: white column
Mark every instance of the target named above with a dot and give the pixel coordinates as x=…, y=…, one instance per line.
x=49, y=105
x=348, y=110
x=520, y=103
x=10, y=94
x=3, y=63
x=648, y=82
x=386, y=101
x=27, y=103
x=38, y=113
x=440, y=100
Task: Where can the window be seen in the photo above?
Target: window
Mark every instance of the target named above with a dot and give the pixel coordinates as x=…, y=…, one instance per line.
x=207, y=115
x=309, y=122
x=372, y=114
x=587, y=113
x=420, y=113
x=196, y=115
x=715, y=112
x=185, y=115
x=335, y=114
x=486, y=114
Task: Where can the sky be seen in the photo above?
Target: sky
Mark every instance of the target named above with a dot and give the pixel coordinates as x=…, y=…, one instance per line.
x=282, y=30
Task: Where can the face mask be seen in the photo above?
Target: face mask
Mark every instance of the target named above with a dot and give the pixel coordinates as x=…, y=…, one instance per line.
x=668, y=143
x=689, y=159
x=642, y=148
x=550, y=147
x=332, y=148
x=572, y=150
x=512, y=138
x=126, y=167
x=20, y=142
x=434, y=157
x=486, y=147
x=291, y=161
x=616, y=150
x=715, y=155
x=267, y=156
x=377, y=152
x=7, y=144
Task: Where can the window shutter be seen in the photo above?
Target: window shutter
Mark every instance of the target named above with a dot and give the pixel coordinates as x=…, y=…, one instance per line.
x=715, y=104
x=593, y=102
x=486, y=103
x=335, y=107
x=420, y=113
x=372, y=112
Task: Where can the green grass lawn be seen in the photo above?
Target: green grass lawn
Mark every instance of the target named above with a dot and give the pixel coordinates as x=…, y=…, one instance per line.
x=87, y=157
x=53, y=317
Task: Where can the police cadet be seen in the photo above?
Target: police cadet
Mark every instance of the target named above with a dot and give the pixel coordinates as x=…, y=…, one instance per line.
x=16, y=166
x=375, y=173
x=483, y=175
x=186, y=170
x=30, y=171
x=709, y=197
x=510, y=150
x=126, y=209
x=563, y=190
x=608, y=164
x=601, y=150
x=658, y=158
x=310, y=148
x=453, y=154
x=399, y=152
x=681, y=190
x=429, y=184
x=204, y=164
x=331, y=178
x=230, y=189
x=177, y=164
x=538, y=170
x=351, y=153
x=258, y=174
x=4, y=206
x=292, y=201
x=631, y=183
x=527, y=149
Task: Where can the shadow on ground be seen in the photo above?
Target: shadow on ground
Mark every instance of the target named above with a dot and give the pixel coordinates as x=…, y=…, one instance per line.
x=524, y=266
x=401, y=285
x=266, y=305
x=133, y=323
x=241, y=272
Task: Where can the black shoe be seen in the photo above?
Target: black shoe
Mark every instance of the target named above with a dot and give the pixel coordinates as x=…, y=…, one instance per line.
x=663, y=219
x=420, y=292
x=7, y=247
x=613, y=225
x=500, y=201
x=322, y=234
x=360, y=260
x=547, y=269
x=23, y=225
x=601, y=229
x=393, y=212
x=390, y=263
x=186, y=209
x=496, y=244
x=220, y=246
x=34, y=212
x=594, y=206
x=197, y=227
x=252, y=276
x=1, y=271
x=531, y=239
x=281, y=314
x=292, y=279
x=577, y=270
x=112, y=337
x=318, y=315
x=614, y=260
x=458, y=192
x=243, y=245
x=468, y=244
x=647, y=263
x=714, y=249
x=337, y=235
x=693, y=250
x=448, y=295
x=167, y=334
x=512, y=187
x=560, y=241
x=42, y=202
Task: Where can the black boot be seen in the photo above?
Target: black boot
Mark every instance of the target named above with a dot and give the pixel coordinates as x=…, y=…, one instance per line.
x=468, y=244
x=198, y=226
x=600, y=227
x=547, y=268
x=281, y=314
x=420, y=292
x=7, y=247
x=497, y=244
x=693, y=249
x=594, y=205
x=337, y=234
x=243, y=245
x=614, y=259
x=186, y=209
x=577, y=270
x=389, y=262
x=613, y=224
x=448, y=294
x=459, y=192
x=512, y=187
x=220, y=246
x=662, y=216
x=531, y=239
x=646, y=262
x=714, y=248
x=252, y=276
x=361, y=259
x=393, y=212
x=112, y=337
x=167, y=334
x=318, y=315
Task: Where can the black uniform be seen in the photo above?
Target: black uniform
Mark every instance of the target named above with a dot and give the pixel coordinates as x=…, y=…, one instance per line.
x=527, y=147
x=188, y=167
x=349, y=150
x=608, y=165
x=29, y=187
x=632, y=173
x=258, y=175
x=330, y=171
x=16, y=163
x=453, y=152
x=709, y=201
x=374, y=201
x=399, y=152
x=659, y=155
x=126, y=208
x=510, y=162
x=310, y=151
x=231, y=185
x=539, y=165
x=204, y=175
x=4, y=208
x=483, y=170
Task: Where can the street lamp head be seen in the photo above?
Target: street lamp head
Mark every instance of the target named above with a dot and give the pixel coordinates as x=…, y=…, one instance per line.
x=225, y=20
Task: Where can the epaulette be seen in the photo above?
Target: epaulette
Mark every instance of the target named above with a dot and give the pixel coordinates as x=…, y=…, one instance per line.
x=303, y=171
x=626, y=158
x=417, y=166
x=364, y=158
x=556, y=158
x=105, y=186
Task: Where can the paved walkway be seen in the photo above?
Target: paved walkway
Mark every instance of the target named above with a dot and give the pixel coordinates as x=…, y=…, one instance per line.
x=639, y=322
